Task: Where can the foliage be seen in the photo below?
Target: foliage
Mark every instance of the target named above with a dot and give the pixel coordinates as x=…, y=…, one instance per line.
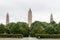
x=11, y=35
x=17, y=28
x=37, y=27
x=58, y=28
x=2, y=29
x=44, y=28
x=47, y=35
x=49, y=30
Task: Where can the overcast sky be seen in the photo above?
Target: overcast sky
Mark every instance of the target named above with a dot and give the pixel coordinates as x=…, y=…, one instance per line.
x=18, y=10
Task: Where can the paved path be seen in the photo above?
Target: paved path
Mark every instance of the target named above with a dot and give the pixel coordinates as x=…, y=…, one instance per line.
x=10, y=38
x=30, y=38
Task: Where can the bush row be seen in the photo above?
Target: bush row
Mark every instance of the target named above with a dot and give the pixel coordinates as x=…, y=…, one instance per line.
x=47, y=35
x=11, y=35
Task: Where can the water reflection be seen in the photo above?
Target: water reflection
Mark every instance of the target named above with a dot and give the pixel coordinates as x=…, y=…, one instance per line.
x=30, y=38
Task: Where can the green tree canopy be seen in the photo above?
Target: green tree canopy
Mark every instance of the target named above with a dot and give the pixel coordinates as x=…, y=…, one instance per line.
x=2, y=29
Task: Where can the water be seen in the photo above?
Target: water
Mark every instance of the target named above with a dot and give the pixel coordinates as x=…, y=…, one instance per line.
x=10, y=38
x=28, y=38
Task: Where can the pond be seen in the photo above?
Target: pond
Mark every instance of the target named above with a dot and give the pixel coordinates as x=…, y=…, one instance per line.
x=28, y=38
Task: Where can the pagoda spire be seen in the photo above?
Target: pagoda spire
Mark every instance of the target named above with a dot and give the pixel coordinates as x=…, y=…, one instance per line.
x=7, y=18
x=51, y=18
x=29, y=17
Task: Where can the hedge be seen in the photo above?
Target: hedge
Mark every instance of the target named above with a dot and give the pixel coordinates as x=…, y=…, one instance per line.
x=36, y=35
x=11, y=35
x=47, y=35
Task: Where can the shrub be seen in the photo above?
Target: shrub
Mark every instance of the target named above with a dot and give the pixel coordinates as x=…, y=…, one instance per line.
x=11, y=35
x=47, y=35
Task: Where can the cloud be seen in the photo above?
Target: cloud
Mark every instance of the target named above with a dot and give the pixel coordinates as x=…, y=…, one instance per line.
x=18, y=10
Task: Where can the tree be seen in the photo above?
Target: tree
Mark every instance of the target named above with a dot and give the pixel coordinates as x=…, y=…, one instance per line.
x=9, y=27
x=44, y=24
x=24, y=29
x=58, y=28
x=50, y=30
x=18, y=28
x=2, y=29
x=36, y=28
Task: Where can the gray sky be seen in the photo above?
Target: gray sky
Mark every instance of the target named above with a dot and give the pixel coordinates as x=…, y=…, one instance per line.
x=18, y=10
